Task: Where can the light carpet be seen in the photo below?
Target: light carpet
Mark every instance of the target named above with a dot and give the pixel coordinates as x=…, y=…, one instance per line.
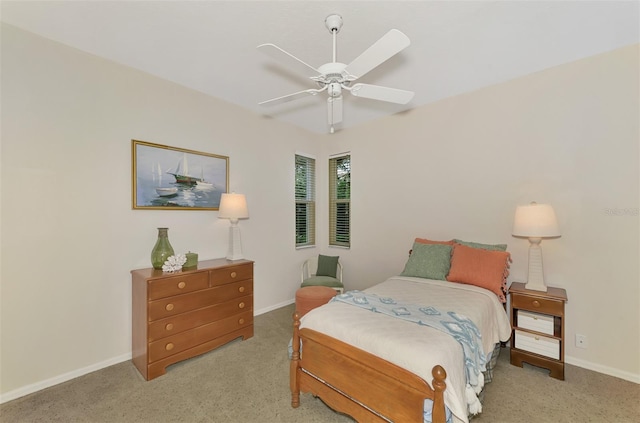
x=248, y=381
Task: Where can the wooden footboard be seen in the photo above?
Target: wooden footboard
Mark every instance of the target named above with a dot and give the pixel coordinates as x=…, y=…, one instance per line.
x=357, y=383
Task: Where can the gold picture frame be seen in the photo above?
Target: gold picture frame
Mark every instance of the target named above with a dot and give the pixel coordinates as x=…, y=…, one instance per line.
x=172, y=178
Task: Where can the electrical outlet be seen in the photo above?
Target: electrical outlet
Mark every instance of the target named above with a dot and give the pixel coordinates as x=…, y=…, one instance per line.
x=581, y=341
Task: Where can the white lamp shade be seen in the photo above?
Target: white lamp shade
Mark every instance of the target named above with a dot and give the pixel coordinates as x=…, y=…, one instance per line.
x=233, y=206
x=535, y=221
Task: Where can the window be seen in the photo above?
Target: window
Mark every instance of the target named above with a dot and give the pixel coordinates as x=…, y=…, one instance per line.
x=340, y=201
x=305, y=201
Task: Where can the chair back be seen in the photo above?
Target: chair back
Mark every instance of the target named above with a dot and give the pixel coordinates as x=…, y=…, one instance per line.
x=310, y=267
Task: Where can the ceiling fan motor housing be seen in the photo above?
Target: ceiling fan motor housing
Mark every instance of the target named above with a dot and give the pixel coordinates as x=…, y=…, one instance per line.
x=332, y=72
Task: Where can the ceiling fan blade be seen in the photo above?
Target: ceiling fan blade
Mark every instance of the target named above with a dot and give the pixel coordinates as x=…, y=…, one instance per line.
x=334, y=107
x=289, y=97
x=288, y=59
x=377, y=92
x=390, y=44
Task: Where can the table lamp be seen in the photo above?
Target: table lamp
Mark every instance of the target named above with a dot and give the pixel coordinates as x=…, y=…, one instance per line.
x=233, y=207
x=535, y=221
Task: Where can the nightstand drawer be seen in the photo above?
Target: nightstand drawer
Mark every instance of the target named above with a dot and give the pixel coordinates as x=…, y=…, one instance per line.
x=535, y=321
x=541, y=305
x=548, y=347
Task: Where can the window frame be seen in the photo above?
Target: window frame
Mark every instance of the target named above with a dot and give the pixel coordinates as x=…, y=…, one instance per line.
x=306, y=200
x=335, y=232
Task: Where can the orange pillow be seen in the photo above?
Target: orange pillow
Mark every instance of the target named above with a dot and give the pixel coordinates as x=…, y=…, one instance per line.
x=484, y=268
x=428, y=241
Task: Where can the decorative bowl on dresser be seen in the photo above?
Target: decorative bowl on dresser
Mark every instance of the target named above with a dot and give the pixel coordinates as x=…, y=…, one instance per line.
x=537, y=319
x=180, y=315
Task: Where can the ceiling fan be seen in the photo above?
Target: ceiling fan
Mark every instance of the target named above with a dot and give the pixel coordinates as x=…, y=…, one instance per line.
x=335, y=77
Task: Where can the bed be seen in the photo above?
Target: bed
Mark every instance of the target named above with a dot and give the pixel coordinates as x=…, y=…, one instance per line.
x=378, y=367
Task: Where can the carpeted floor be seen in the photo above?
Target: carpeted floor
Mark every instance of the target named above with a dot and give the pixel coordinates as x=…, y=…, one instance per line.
x=248, y=382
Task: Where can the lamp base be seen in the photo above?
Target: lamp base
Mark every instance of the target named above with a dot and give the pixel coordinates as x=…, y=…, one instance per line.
x=535, y=279
x=535, y=287
x=235, y=244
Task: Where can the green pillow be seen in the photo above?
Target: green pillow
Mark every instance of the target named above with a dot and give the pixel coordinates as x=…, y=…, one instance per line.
x=490, y=247
x=429, y=261
x=327, y=266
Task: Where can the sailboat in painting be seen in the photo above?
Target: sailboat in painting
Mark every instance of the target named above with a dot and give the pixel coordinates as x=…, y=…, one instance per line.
x=182, y=173
x=164, y=191
x=202, y=184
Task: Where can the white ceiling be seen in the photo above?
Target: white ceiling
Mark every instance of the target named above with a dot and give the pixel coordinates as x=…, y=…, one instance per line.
x=210, y=46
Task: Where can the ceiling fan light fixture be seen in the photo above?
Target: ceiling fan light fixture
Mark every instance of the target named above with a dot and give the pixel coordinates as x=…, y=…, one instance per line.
x=335, y=89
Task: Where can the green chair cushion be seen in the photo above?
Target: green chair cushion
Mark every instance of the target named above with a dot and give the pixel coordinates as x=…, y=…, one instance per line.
x=322, y=281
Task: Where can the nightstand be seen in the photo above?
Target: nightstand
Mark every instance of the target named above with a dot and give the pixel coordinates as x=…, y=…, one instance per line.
x=537, y=321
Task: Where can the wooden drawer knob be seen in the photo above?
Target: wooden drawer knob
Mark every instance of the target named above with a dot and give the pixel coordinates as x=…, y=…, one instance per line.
x=169, y=307
x=241, y=321
x=234, y=274
x=241, y=289
x=536, y=303
x=169, y=346
x=181, y=285
x=241, y=305
x=169, y=326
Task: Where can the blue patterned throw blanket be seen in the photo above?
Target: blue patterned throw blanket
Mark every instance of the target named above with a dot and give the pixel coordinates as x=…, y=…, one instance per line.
x=461, y=328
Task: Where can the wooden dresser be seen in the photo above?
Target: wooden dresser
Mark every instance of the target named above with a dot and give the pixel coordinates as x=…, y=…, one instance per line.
x=180, y=315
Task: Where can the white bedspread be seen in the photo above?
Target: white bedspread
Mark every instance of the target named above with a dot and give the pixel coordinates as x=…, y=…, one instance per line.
x=414, y=347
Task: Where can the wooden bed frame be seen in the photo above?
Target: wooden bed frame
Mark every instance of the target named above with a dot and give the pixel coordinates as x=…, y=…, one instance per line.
x=359, y=384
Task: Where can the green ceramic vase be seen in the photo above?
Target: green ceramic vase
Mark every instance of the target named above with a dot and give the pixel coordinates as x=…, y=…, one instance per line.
x=162, y=250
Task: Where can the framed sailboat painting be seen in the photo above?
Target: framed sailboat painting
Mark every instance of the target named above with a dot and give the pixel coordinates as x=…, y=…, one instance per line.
x=170, y=178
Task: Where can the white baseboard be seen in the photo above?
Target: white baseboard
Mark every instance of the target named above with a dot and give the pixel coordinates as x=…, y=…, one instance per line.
x=35, y=387
x=631, y=377
x=273, y=307
x=30, y=389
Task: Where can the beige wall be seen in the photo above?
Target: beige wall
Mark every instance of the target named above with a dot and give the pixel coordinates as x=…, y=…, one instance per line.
x=458, y=168
x=568, y=136
x=69, y=235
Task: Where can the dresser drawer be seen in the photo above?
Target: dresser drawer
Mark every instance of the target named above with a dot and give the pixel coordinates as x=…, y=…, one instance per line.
x=541, y=305
x=542, y=345
x=191, y=338
x=166, y=307
x=182, y=322
x=535, y=321
x=231, y=274
x=176, y=285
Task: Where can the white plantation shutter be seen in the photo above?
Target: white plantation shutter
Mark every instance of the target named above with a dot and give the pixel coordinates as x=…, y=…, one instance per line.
x=305, y=192
x=340, y=200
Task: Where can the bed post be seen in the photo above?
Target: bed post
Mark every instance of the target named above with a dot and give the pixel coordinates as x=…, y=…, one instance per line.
x=295, y=362
x=439, y=385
